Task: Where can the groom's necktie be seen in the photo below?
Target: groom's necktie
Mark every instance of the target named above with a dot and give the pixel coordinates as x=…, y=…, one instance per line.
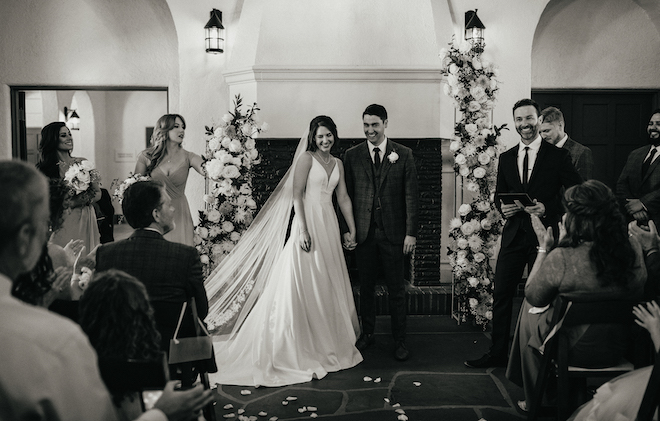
x=377, y=157
x=647, y=162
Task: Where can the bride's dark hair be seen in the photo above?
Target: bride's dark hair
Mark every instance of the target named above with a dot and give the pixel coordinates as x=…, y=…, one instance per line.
x=321, y=121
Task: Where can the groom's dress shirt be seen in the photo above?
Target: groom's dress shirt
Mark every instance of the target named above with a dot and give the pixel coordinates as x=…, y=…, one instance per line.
x=382, y=147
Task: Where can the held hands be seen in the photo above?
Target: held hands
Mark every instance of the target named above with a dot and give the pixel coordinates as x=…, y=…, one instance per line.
x=349, y=241
x=305, y=240
x=409, y=244
x=634, y=205
x=543, y=234
x=183, y=405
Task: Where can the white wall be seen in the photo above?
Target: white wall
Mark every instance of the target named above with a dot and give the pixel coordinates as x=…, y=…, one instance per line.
x=616, y=47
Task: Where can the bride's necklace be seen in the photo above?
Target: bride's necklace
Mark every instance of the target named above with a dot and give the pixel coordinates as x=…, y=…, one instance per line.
x=323, y=160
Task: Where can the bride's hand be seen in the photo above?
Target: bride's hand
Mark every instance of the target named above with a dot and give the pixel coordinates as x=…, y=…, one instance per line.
x=349, y=241
x=305, y=240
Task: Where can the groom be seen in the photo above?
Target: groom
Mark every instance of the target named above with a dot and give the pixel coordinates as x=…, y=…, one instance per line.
x=382, y=182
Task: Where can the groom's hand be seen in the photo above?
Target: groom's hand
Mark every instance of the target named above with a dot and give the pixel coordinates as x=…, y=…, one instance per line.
x=349, y=242
x=409, y=244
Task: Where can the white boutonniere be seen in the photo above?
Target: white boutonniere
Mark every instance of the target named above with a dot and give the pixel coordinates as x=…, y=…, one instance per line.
x=393, y=157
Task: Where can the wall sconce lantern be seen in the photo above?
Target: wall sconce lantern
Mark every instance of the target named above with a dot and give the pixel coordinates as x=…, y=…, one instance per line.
x=474, y=30
x=215, y=33
x=72, y=119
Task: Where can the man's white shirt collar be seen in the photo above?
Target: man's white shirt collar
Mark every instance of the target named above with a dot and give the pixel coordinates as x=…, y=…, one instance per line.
x=562, y=142
x=382, y=147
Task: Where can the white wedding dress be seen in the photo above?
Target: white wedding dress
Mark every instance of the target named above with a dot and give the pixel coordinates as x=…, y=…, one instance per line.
x=304, y=323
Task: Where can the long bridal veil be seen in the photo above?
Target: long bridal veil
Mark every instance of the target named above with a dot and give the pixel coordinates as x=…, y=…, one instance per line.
x=237, y=282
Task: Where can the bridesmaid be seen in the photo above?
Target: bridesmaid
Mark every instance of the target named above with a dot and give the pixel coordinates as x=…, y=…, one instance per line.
x=166, y=160
x=79, y=216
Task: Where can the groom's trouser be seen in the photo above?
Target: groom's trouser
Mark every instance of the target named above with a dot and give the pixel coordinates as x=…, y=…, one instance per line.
x=374, y=253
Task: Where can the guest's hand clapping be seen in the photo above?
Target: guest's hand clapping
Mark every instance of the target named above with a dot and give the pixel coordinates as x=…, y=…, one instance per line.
x=648, y=317
x=544, y=235
x=183, y=405
x=647, y=237
x=73, y=249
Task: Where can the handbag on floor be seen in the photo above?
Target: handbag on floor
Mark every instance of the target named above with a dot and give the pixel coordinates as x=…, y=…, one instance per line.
x=195, y=348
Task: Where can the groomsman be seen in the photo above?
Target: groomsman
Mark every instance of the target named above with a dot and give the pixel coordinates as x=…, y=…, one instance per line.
x=382, y=182
x=540, y=170
x=552, y=131
x=638, y=188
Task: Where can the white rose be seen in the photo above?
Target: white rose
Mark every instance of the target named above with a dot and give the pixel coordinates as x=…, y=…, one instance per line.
x=246, y=129
x=473, y=302
x=254, y=154
x=486, y=224
x=473, y=281
x=455, y=145
x=214, y=143
x=460, y=159
x=483, y=158
x=464, y=171
x=235, y=146
x=227, y=118
x=462, y=243
x=393, y=157
x=225, y=142
x=479, y=257
x=453, y=68
x=485, y=281
x=214, y=168
x=476, y=63
x=227, y=226
x=467, y=229
x=479, y=172
x=230, y=171
x=213, y=216
x=235, y=236
x=204, y=259
x=474, y=106
x=250, y=203
x=471, y=128
x=250, y=144
x=203, y=232
x=473, y=187
x=488, y=315
x=245, y=189
x=464, y=209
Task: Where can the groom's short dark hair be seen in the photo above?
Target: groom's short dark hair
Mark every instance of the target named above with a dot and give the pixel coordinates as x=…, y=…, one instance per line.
x=377, y=110
x=140, y=199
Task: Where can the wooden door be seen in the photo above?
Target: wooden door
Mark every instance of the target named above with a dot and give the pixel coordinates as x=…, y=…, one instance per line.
x=611, y=123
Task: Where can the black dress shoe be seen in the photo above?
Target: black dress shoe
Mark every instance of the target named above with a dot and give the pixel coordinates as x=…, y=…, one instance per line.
x=401, y=353
x=486, y=361
x=365, y=341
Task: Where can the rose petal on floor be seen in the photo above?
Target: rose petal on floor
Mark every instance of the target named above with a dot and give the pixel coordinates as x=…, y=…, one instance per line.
x=291, y=398
x=312, y=408
x=241, y=411
x=303, y=409
x=245, y=392
x=402, y=417
x=386, y=400
x=377, y=380
x=231, y=415
x=263, y=413
x=400, y=411
x=285, y=403
x=367, y=379
x=418, y=384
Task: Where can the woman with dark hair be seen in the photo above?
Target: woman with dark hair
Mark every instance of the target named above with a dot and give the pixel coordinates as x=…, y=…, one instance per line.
x=595, y=255
x=284, y=308
x=79, y=219
x=119, y=321
x=166, y=160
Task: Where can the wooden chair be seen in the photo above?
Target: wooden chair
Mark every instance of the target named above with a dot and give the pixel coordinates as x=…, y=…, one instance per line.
x=651, y=399
x=570, y=311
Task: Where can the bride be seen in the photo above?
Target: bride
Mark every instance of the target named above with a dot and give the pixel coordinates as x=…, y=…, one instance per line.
x=283, y=308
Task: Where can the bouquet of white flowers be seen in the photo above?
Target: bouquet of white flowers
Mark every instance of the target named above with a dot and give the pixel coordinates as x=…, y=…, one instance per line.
x=121, y=187
x=79, y=178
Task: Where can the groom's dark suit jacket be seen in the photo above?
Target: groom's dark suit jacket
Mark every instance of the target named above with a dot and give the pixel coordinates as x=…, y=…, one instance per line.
x=631, y=184
x=171, y=272
x=397, y=186
x=552, y=170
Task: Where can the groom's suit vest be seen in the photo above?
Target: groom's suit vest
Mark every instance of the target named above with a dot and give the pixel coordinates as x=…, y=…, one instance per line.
x=377, y=214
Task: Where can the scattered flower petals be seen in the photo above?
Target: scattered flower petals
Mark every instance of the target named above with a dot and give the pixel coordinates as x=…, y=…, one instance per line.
x=400, y=411
x=402, y=417
x=285, y=403
x=303, y=409
x=396, y=405
x=418, y=384
x=245, y=392
x=291, y=398
x=241, y=411
x=367, y=379
x=386, y=400
x=313, y=415
x=272, y=419
x=263, y=414
x=253, y=418
x=377, y=380
x=312, y=408
x=228, y=406
x=232, y=415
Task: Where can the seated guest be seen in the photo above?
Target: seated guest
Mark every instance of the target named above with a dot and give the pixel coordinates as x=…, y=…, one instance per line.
x=171, y=272
x=119, y=321
x=594, y=255
x=620, y=398
x=49, y=369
